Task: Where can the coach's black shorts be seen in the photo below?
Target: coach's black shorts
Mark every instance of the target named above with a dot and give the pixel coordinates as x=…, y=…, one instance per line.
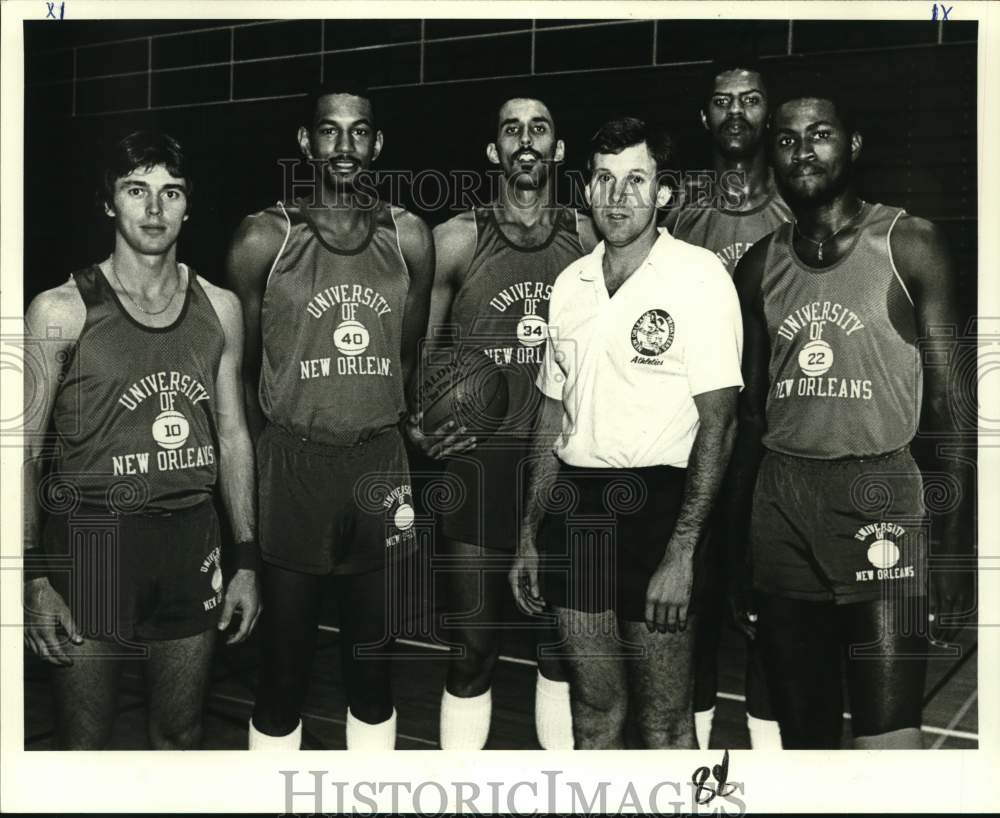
x=604, y=535
x=839, y=530
x=133, y=577
x=334, y=509
x=489, y=497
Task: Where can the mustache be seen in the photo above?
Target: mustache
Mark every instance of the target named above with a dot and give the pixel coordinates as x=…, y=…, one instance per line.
x=531, y=151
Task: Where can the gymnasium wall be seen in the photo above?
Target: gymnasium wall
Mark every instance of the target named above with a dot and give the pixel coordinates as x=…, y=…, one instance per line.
x=228, y=92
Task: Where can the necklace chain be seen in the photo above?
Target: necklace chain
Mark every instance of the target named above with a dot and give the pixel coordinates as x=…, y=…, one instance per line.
x=819, y=244
x=139, y=306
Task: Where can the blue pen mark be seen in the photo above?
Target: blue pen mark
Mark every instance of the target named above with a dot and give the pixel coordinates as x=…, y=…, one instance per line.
x=945, y=11
x=51, y=15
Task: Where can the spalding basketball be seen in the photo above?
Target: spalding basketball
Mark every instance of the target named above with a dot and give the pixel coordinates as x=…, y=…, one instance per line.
x=471, y=391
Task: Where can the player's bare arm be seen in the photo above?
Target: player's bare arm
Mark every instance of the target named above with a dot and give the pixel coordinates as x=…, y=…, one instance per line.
x=237, y=479
x=669, y=592
x=254, y=248
x=748, y=449
x=454, y=243
x=53, y=323
x=454, y=246
x=923, y=260
x=543, y=468
x=417, y=246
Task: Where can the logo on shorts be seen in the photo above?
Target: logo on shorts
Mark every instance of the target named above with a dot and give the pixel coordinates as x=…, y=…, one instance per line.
x=211, y=563
x=883, y=552
x=400, y=515
x=653, y=333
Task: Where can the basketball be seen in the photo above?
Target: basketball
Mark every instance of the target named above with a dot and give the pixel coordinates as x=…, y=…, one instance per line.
x=472, y=391
x=171, y=429
x=351, y=337
x=816, y=358
x=883, y=554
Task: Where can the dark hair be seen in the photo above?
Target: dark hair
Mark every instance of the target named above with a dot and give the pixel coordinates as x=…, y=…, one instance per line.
x=616, y=135
x=522, y=91
x=819, y=88
x=143, y=149
x=356, y=88
x=732, y=62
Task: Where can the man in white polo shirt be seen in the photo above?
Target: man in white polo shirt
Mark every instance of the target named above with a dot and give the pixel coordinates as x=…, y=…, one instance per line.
x=641, y=376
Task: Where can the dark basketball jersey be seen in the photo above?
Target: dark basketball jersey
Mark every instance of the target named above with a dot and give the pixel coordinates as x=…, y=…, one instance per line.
x=135, y=413
x=845, y=374
x=730, y=233
x=331, y=323
x=502, y=308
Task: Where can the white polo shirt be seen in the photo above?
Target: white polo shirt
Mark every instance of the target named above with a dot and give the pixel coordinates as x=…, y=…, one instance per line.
x=627, y=368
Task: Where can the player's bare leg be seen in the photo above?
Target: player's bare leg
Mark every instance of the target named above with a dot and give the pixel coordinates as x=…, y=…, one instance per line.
x=595, y=664
x=86, y=695
x=177, y=676
x=474, y=600
x=662, y=684
x=363, y=602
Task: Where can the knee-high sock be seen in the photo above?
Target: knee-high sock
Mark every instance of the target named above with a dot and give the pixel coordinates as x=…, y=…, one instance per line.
x=262, y=741
x=465, y=722
x=553, y=718
x=364, y=736
x=703, y=726
x=764, y=734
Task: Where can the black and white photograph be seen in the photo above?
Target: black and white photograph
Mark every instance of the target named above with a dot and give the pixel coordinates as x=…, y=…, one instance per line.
x=428, y=377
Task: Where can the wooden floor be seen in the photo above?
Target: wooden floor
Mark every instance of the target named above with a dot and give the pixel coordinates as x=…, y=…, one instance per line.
x=950, y=715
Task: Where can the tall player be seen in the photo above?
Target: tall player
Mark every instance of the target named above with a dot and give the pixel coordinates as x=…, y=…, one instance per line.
x=335, y=294
x=495, y=270
x=834, y=306
x=738, y=206
x=140, y=378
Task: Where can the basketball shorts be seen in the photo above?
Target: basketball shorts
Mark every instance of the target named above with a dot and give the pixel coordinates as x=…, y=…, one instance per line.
x=334, y=509
x=488, y=495
x=604, y=535
x=842, y=530
x=135, y=578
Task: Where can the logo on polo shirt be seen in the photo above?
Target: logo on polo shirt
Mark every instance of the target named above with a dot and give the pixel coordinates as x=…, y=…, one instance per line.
x=652, y=335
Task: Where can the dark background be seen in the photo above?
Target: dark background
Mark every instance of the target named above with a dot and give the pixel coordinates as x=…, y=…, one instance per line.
x=438, y=81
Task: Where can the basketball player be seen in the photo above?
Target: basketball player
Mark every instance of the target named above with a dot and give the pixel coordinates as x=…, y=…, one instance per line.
x=834, y=305
x=140, y=378
x=738, y=206
x=335, y=293
x=495, y=270
x=641, y=376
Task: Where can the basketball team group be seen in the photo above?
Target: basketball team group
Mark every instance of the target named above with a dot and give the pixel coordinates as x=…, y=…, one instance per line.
x=711, y=393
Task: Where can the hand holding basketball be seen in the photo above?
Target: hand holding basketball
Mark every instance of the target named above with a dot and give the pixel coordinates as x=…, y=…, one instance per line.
x=446, y=440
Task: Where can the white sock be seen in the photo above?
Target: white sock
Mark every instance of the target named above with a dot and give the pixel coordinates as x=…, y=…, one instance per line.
x=553, y=718
x=764, y=734
x=465, y=722
x=703, y=726
x=364, y=736
x=262, y=741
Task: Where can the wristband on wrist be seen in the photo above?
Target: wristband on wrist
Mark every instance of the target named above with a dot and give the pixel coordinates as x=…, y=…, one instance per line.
x=36, y=564
x=247, y=555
